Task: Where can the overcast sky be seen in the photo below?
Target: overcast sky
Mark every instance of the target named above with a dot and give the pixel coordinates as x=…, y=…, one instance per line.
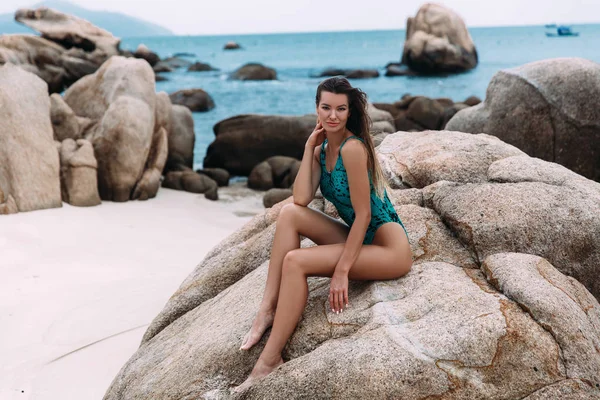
x=256, y=16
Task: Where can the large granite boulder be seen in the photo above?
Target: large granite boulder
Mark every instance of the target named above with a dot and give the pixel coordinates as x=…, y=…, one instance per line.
x=78, y=173
x=437, y=41
x=48, y=60
x=71, y=32
x=544, y=108
x=494, y=306
x=29, y=161
x=129, y=138
x=65, y=123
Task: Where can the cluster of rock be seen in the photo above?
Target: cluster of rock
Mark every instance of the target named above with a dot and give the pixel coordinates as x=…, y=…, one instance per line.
x=350, y=73
x=501, y=301
x=419, y=113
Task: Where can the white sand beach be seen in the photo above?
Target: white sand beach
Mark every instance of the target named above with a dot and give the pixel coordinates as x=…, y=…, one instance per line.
x=79, y=286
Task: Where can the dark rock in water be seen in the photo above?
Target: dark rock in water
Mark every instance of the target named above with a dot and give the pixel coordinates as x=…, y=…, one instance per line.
x=199, y=67
x=219, y=175
x=184, y=54
x=194, y=99
x=362, y=74
x=173, y=63
x=396, y=70
x=231, y=46
x=160, y=78
x=275, y=195
x=437, y=41
x=244, y=141
x=161, y=67
x=333, y=72
x=144, y=52
x=254, y=72
x=425, y=112
x=192, y=182
x=547, y=108
x=274, y=172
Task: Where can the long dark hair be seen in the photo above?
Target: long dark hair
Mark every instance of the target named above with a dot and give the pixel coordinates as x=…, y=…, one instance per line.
x=359, y=122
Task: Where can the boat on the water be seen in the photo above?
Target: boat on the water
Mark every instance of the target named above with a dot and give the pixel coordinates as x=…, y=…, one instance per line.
x=562, y=30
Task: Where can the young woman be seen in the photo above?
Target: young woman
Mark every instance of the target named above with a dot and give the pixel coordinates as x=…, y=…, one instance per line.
x=372, y=245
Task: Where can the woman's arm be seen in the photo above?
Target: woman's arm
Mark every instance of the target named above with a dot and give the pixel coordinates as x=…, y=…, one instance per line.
x=307, y=180
x=355, y=159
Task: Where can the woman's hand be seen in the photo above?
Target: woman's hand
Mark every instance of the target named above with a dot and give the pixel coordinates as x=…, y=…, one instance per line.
x=317, y=136
x=338, y=292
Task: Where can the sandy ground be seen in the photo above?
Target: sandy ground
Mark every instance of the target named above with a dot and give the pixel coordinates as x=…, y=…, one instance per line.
x=79, y=286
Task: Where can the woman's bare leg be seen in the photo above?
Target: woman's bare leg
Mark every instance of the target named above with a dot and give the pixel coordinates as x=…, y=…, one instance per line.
x=293, y=221
x=388, y=258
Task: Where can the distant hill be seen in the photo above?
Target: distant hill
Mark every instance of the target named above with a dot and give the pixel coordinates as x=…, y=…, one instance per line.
x=120, y=25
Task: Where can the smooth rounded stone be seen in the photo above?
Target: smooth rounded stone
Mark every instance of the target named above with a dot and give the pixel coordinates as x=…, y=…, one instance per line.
x=426, y=112
x=450, y=112
x=378, y=115
x=568, y=389
x=172, y=63
x=274, y=172
x=472, y=101
x=160, y=78
x=435, y=331
x=243, y=141
x=219, y=175
x=437, y=41
x=419, y=159
x=254, y=72
x=362, y=74
x=29, y=161
x=161, y=67
x=78, y=173
x=275, y=195
x=65, y=124
x=199, y=67
x=556, y=302
x=192, y=182
x=71, y=32
x=181, y=139
x=558, y=223
x=194, y=99
x=145, y=53
x=120, y=98
x=382, y=127
x=231, y=46
x=544, y=109
x=333, y=72
x=398, y=70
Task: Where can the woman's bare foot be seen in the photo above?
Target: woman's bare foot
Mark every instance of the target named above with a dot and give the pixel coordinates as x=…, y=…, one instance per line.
x=263, y=367
x=262, y=322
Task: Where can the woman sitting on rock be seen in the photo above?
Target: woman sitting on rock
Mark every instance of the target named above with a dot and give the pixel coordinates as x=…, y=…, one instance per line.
x=340, y=158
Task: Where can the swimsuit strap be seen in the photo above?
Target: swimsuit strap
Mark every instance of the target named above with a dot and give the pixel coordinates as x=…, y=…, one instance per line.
x=350, y=137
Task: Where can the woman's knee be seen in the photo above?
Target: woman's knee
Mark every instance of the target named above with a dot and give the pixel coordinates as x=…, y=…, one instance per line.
x=292, y=262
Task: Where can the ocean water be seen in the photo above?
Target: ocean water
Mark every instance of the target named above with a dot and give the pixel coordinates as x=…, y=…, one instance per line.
x=298, y=57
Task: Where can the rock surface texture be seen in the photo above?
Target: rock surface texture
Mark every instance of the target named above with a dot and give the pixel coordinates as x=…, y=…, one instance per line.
x=501, y=302
x=545, y=109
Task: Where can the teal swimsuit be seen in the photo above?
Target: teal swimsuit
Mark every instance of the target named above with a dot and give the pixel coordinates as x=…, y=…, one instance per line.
x=334, y=187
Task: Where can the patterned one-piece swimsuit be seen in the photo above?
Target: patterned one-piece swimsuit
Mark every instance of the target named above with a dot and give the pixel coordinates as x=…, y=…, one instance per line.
x=334, y=186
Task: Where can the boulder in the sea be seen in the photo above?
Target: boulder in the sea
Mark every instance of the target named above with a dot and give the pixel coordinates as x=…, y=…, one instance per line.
x=275, y=195
x=362, y=74
x=545, y=109
x=274, y=172
x=78, y=173
x=497, y=304
x=194, y=99
x=170, y=63
x=29, y=162
x=437, y=41
x=200, y=67
x=231, y=46
x=254, y=72
x=145, y=53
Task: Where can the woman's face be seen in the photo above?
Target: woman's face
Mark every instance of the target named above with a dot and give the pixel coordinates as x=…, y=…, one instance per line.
x=333, y=111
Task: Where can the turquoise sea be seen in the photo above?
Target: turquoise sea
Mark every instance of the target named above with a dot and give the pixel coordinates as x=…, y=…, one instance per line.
x=297, y=57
